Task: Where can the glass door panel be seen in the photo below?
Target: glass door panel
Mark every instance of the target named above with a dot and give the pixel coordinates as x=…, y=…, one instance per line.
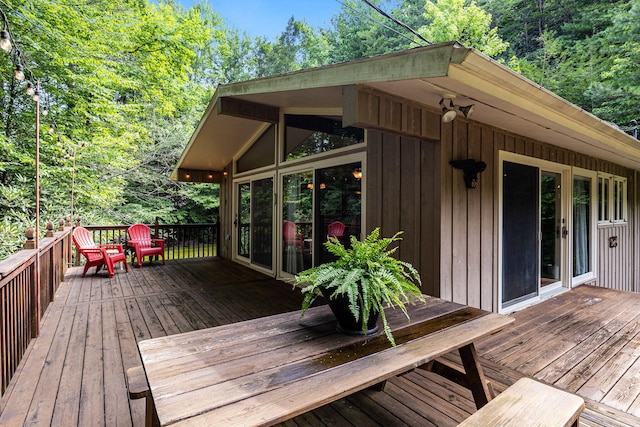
x=262, y=222
x=297, y=217
x=581, y=225
x=243, y=219
x=254, y=222
x=551, y=227
x=520, y=225
x=338, y=192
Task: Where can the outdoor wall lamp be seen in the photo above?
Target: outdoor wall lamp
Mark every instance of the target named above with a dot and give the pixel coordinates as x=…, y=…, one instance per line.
x=467, y=111
x=449, y=113
x=471, y=169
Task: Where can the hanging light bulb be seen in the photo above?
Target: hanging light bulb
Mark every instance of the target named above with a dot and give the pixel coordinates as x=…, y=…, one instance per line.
x=45, y=110
x=5, y=41
x=36, y=96
x=19, y=72
x=51, y=128
x=30, y=89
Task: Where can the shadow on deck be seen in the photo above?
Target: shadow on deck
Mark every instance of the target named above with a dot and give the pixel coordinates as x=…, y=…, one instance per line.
x=584, y=341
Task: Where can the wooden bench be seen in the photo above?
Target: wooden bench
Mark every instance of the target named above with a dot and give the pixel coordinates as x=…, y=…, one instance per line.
x=138, y=389
x=530, y=403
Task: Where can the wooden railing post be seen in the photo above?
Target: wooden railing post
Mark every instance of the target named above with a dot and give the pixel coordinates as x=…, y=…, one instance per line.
x=49, y=229
x=30, y=234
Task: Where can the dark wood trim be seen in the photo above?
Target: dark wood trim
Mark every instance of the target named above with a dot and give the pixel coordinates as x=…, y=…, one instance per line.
x=248, y=110
x=197, y=175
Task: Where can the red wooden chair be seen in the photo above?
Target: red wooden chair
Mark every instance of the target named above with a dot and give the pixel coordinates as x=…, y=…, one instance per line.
x=98, y=255
x=291, y=238
x=142, y=243
x=335, y=229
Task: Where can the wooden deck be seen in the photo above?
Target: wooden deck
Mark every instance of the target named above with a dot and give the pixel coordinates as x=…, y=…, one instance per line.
x=586, y=341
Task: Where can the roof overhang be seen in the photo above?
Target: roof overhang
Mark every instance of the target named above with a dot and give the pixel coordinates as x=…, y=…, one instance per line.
x=239, y=112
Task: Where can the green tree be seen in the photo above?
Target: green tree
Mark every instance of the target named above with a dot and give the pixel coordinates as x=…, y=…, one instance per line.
x=104, y=68
x=462, y=21
x=298, y=47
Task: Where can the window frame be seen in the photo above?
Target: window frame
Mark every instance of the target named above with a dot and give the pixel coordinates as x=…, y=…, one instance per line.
x=612, y=199
x=282, y=160
x=593, y=234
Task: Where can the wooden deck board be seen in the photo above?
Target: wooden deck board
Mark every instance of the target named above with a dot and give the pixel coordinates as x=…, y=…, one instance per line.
x=584, y=341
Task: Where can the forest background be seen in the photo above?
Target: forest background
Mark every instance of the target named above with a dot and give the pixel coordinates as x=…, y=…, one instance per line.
x=125, y=83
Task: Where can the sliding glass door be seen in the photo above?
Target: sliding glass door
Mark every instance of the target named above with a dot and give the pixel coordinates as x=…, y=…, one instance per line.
x=254, y=222
x=535, y=230
x=317, y=204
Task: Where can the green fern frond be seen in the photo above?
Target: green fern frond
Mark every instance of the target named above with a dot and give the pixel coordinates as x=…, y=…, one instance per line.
x=367, y=274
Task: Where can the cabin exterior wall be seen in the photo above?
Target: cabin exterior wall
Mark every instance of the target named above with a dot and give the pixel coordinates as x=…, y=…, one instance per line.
x=451, y=233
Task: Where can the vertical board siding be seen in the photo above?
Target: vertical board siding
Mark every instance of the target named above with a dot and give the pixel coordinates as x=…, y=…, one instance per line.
x=458, y=228
x=615, y=265
x=402, y=196
x=460, y=218
x=488, y=223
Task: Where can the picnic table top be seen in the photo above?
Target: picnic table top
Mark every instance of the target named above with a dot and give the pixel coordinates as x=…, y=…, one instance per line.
x=267, y=370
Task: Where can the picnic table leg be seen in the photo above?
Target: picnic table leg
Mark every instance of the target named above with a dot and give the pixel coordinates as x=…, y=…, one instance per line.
x=476, y=381
x=151, y=416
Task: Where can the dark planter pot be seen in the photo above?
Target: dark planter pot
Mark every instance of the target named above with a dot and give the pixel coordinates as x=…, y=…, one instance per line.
x=347, y=323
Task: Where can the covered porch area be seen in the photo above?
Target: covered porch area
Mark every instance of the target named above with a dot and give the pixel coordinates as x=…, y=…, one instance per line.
x=584, y=341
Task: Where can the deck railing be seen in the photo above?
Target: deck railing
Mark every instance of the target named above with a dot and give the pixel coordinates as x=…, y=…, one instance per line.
x=25, y=294
x=30, y=278
x=181, y=240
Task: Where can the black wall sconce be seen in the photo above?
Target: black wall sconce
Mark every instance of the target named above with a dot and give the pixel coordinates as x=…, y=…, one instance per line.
x=471, y=170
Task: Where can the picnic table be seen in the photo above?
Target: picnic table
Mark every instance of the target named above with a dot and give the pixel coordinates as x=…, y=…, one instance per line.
x=267, y=370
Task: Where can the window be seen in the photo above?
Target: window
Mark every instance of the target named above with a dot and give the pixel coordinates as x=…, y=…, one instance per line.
x=612, y=199
x=260, y=154
x=582, y=220
x=309, y=135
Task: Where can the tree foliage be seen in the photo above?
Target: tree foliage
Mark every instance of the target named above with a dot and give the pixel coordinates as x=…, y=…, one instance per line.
x=126, y=82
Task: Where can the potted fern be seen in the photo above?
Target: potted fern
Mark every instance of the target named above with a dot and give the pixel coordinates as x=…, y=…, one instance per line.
x=363, y=281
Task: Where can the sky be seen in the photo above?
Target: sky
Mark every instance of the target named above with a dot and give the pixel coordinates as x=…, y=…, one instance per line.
x=268, y=18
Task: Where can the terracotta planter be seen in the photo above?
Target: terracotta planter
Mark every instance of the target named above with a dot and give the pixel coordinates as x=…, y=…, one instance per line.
x=347, y=324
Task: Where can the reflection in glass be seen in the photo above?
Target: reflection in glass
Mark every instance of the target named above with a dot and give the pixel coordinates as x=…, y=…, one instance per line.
x=550, y=227
x=339, y=205
x=244, y=219
x=297, y=211
x=307, y=135
x=581, y=225
x=262, y=222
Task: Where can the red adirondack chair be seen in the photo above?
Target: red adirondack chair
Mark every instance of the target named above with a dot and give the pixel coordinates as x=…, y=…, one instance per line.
x=291, y=238
x=335, y=229
x=142, y=243
x=98, y=255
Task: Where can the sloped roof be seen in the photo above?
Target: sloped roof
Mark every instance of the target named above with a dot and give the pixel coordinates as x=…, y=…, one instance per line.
x=502, y=98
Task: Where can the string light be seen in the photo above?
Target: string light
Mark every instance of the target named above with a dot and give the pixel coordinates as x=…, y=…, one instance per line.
x=5, y=41
x=19, y=72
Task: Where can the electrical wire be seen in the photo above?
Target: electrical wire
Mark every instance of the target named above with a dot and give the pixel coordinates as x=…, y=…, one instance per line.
x=357, y=12
x=397, y=21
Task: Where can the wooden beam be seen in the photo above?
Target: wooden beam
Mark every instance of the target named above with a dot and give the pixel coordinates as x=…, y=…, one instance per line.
x=248, y=110
x=196, y=175
x=372, y=109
